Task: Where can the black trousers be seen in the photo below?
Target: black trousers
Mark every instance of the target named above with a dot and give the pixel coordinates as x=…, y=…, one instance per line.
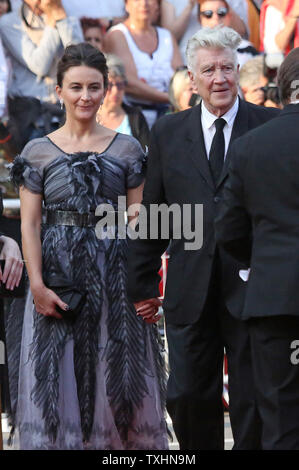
x=276, y=374
x=195, y=385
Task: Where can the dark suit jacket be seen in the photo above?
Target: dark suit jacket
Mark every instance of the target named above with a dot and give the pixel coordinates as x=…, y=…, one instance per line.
x=178, y=172
x=262, y=195
x=138, y=124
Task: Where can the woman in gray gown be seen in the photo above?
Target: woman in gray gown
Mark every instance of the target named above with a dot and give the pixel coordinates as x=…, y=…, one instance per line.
x=97, y=382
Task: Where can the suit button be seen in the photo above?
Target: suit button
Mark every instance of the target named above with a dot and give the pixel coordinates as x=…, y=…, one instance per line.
x=216, y=199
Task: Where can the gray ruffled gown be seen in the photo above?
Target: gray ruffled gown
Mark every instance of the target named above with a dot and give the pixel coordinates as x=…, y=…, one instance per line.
x=98, y=383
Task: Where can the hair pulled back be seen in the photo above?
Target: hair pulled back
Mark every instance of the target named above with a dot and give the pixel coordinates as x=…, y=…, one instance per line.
x=82, y=54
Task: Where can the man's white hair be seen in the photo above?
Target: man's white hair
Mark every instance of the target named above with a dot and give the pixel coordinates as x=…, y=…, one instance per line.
x=219, y=37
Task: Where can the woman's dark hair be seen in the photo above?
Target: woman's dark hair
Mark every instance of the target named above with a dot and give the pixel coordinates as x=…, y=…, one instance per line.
x=288, y=77
x=87, y=23
x=82, y=54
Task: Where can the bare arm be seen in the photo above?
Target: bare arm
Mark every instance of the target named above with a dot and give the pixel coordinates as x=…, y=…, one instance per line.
x=176, y=58
x=176, y=24
x=31, y=213
x=115, y=43
x=237, y=23
x=283, y=38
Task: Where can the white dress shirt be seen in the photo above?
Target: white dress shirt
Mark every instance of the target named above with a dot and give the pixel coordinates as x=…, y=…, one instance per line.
x=209, y=129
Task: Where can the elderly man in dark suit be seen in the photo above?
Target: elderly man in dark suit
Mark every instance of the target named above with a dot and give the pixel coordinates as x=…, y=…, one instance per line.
x=258, y=225
x=188, y=160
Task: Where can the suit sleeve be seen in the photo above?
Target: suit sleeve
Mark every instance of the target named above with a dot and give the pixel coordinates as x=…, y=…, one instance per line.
x=144, y=256
x=232, y=223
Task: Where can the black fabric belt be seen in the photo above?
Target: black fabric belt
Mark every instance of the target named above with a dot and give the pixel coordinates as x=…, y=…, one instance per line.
x=74, y=218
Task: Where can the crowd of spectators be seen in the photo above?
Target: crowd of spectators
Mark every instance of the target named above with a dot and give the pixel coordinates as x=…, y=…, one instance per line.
x=149, y=38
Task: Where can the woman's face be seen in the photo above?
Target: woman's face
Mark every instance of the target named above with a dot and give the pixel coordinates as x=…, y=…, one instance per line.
x=139, y=9
x=115, y=91
x=94, y=37
x=82, y=92
x=3, y=7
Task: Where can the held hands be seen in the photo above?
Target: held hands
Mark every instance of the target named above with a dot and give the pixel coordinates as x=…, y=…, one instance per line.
x=148, y=309
x=13, y=267
x=45, y=301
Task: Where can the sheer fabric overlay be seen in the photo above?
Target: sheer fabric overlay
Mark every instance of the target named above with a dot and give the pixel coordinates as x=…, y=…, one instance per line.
x=98, y=383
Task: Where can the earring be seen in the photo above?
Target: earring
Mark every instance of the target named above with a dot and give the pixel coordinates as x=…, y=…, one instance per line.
x=61, y=103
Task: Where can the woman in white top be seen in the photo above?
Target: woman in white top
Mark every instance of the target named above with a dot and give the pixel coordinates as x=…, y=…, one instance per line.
x=150, y=55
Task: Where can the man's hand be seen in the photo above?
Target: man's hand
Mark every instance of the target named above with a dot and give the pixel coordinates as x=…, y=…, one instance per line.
x=148, y=309
x=53, y=10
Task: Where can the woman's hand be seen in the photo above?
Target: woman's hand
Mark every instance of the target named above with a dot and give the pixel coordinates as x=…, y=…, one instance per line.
x=45, y=301
x=13, y=267
x=148, y=309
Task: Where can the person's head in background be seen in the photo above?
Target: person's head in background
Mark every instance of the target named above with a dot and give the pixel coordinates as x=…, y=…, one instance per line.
x=255, y=85
x=212, y=13
x=288, y=78
x=5, y=7
x=180, y=90
x=140, y=12
x=93, y=32
x=117, y=81
x=252, y=80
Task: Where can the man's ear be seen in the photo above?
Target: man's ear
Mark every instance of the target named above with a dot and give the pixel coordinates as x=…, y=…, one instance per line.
x=191, y=76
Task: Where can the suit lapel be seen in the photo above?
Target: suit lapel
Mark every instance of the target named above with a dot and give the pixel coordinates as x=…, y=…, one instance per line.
x=195, y=145
x=240, y=127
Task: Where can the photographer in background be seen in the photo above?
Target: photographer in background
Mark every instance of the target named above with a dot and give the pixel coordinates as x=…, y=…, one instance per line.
x=257, y=83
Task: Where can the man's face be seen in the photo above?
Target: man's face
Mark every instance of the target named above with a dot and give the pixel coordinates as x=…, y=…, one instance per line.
x=215, y=78
x=213, y=13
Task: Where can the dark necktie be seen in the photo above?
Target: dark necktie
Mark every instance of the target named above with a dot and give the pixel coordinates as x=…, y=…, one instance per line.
x=216, y=156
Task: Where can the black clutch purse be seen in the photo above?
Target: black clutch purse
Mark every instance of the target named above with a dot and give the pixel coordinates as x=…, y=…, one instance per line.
x=17, y=291
x=72, y=295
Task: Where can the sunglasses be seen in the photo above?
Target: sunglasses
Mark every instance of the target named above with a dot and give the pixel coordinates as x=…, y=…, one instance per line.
x=119, y=85
x=221, y=12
